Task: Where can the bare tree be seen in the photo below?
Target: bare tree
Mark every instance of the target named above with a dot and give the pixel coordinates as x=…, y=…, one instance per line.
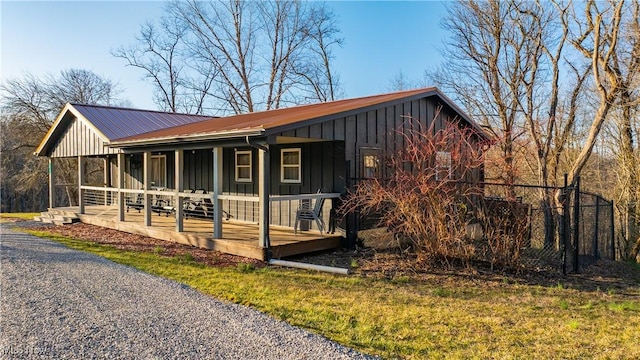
x=159, y=53
x=259, y=55
x=509, y=68
x=623, y=134
x=599, y=41
x=28, y=108
x=488, y=62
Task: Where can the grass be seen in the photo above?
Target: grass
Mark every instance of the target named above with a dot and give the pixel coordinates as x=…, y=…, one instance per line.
x=403, y=318
x=22, y=216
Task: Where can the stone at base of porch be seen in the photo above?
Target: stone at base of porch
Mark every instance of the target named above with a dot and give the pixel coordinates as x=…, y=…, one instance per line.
x=241, y=238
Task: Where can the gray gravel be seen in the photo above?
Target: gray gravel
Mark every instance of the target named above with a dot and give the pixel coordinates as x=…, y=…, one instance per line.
x=64, y=304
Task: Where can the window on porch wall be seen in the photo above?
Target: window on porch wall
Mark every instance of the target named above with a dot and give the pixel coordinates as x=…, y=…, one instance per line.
x=159, y=171
x=243, y=166
x=291, y=166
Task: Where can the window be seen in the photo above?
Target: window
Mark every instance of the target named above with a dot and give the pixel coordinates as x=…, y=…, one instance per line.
x=290, y=166
x=443, y=165
x=243, y=166
x=159, y=171
x=370, y=166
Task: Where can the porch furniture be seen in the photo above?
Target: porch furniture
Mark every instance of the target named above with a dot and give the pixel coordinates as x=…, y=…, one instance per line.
x=163, y=206
x=306, y=212
x=207, y=207
x=138, y=204
x=193, y=208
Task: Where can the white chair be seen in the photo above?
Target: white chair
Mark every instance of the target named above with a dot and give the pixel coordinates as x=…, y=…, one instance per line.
x=306, y=212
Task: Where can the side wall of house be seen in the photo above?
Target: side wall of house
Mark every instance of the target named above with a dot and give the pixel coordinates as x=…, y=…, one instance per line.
x=379, y=131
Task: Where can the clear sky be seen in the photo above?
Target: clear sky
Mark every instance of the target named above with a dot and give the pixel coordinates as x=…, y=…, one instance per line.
x=381, y=39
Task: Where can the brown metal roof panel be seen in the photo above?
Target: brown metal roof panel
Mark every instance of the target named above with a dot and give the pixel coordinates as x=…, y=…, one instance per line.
x=275, y=118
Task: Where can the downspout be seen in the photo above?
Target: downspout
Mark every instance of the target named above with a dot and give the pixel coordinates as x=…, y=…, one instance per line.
x=307, y=266
x=256, y=146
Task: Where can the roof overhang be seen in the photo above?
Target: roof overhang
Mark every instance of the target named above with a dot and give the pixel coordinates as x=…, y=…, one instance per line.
x=55, y=129
x=200, y=137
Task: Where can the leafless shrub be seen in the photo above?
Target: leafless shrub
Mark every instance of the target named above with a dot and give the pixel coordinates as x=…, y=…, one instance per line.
x=426, y=200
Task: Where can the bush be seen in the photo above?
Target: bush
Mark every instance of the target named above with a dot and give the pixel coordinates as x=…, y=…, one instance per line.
x=425, y=199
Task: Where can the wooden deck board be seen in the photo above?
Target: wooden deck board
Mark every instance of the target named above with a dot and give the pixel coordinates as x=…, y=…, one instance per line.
x=239, y=238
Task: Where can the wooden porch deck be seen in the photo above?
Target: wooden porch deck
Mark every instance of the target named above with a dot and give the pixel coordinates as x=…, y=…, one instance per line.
x=239, y=238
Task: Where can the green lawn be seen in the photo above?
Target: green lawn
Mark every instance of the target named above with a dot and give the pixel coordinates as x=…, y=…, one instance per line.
x=22, y=216
x=402, y=318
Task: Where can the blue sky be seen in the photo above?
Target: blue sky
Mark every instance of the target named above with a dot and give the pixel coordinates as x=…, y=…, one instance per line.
x=381, y=39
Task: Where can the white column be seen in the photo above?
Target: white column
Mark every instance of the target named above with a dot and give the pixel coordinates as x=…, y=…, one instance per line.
x=179, y=185
x=147, y=186
x=80, y=183
x=263, y=195
x=52, y=184
x=217, y=191
x=120, y=186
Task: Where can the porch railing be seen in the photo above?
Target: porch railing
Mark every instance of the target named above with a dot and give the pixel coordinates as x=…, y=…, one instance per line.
x=235, y=207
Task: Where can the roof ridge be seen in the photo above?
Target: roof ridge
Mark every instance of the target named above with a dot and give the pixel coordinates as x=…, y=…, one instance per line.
x=141, y=110
x=322, y=103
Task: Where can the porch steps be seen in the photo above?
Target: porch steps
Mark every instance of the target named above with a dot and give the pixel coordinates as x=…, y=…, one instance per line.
x=57, y=217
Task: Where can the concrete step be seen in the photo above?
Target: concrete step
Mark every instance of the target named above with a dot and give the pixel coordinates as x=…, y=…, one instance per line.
x=47, y=220
x=57, y=217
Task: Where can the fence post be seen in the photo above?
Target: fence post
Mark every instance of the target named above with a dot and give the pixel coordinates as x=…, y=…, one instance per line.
x=613, y=234
x=564, y=233
x=576, y=228
x=597, y=232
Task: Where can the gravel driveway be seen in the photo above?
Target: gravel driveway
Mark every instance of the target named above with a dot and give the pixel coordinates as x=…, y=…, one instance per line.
x=65, y=304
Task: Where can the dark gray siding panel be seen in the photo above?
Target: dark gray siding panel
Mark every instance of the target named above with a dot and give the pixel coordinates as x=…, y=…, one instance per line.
x=381, y=128
x=79, y=139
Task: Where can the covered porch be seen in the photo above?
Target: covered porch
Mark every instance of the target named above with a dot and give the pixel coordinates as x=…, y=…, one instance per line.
x=240, y=238
x=231, y=188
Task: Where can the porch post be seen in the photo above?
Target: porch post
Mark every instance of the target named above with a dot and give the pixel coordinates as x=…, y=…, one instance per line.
x=120, y=186
x=147, y=184
x=263, y=195
x=217, y=191
x=179, y=184
x=80, y=183
x=107, y=178
x=52, y=185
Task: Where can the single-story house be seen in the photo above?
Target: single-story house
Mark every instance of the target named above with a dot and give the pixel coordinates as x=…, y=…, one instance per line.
x=255, y=171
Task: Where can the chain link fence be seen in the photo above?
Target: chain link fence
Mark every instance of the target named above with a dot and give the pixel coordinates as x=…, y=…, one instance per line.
x=554, y=229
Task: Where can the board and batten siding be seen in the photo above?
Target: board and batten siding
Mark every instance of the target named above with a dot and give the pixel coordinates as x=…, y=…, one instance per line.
x=79, y=139
x=380, y=129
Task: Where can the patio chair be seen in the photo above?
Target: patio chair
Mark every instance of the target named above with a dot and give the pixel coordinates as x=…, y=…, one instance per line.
x=138, y=204
x=163, y=206
x=207, y=207
x=193, y=207
x=306, y=212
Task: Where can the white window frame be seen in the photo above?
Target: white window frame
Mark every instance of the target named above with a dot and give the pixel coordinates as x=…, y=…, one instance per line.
x=163, y=159
x=238, y=166
x=443, y=163
x=283, y=166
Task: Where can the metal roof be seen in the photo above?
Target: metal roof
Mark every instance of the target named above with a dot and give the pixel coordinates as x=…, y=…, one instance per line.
x=109, y=123
x=116, y=123
x=259, y=122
